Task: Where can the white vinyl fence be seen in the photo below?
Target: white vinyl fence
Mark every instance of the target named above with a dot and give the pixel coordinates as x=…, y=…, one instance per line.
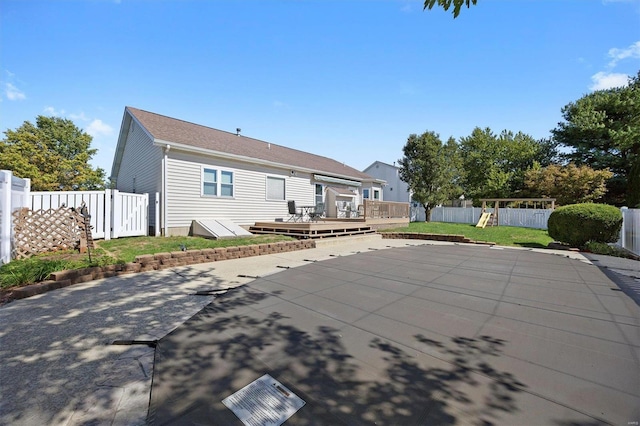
x=14, y=194
x=113, y=213
x=630, y=234
x=525, y=218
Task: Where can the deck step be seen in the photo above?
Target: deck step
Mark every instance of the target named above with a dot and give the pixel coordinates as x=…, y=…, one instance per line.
x=337, y=231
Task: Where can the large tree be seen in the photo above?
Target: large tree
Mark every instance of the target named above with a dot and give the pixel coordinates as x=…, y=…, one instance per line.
x=53, y=153
x=602, y=129
x=494, y=165
x=569, y=184
x=446, y=4
x=429, y=168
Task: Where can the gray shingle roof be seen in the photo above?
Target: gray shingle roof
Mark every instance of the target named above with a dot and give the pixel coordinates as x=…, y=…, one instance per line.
x=194, y=135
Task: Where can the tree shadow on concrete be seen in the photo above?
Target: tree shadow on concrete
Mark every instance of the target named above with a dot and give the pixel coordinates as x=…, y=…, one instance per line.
x=228, y=345
x=58, y=362
x=529, y=245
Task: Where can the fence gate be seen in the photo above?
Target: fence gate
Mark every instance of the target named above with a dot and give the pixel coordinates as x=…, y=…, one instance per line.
x=130, y=214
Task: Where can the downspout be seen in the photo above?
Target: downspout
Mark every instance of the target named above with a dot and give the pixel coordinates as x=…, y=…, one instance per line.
x=164, y=191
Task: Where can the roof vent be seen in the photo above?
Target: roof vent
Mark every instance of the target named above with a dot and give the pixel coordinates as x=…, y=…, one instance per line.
x=238, y=130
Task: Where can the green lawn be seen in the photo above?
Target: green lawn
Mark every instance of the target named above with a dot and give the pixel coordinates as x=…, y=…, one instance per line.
x=127, y=249
x=121, y=250
x=501, y=235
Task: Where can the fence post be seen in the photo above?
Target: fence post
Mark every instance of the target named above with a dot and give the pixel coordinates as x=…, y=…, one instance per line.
x=623, y=210
x=107, y=214
x=116, y=209
x=5, y=216
x=157, y=211
x=146, y=213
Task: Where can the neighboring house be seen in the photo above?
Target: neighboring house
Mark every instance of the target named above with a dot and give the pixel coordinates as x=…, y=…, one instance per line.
x=395, y=189
x=204, y=173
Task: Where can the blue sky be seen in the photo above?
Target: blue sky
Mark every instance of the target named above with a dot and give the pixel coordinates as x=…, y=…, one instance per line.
x=348, y=79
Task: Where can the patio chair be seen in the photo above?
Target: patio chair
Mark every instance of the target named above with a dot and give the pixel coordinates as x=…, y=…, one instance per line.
x=295, y=215
x=317, y=213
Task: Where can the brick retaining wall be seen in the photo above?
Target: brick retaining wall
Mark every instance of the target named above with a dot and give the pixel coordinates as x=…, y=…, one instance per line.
x=155, y=262
x=435, y=237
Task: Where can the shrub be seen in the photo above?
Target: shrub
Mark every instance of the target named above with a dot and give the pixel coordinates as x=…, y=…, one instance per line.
x=606, y=249
x=578, y=224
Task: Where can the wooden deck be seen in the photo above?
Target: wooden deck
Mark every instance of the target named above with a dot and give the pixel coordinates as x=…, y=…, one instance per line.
x=320, y=229
x=326, y=228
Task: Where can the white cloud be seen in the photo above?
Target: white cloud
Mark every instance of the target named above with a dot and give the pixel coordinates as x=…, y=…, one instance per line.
x=407, y=7
x=53, y=112
x=13, y=93
x=604, y=80
x=617, y=55
x=80, y=116
x=97, y=128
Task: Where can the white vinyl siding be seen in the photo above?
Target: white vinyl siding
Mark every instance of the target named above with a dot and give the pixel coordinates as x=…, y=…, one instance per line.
x=249, y=203
x=141, y=167
x=275, y=188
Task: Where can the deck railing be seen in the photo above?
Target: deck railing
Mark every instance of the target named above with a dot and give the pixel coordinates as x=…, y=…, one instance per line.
x=384, y=209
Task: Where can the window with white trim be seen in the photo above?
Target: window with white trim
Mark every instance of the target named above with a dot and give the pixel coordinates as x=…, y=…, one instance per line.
x=319, y=192
x=275, y=188
x=365, y=193
x=226, y=184
x=210, y=182
x=217, y=182
x=376, y=194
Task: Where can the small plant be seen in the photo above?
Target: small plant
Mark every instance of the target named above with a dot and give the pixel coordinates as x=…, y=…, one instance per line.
x=606, y=249
x=27, y=271
x=120, y=251
x=578, y=224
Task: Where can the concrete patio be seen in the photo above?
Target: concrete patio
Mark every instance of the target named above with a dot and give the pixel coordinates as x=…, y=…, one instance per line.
x=367, y=331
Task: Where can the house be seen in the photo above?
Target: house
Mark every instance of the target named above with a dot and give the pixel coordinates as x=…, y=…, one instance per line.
x=395, y=188
x=204, y=173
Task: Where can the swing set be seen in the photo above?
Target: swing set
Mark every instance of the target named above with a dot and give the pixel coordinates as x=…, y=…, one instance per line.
x=491, y=218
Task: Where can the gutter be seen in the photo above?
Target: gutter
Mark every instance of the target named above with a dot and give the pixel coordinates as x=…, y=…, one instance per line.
x=164, y=190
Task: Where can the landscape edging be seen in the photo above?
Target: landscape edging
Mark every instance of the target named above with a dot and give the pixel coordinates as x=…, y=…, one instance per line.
x=155, y=262
x=434, y=237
